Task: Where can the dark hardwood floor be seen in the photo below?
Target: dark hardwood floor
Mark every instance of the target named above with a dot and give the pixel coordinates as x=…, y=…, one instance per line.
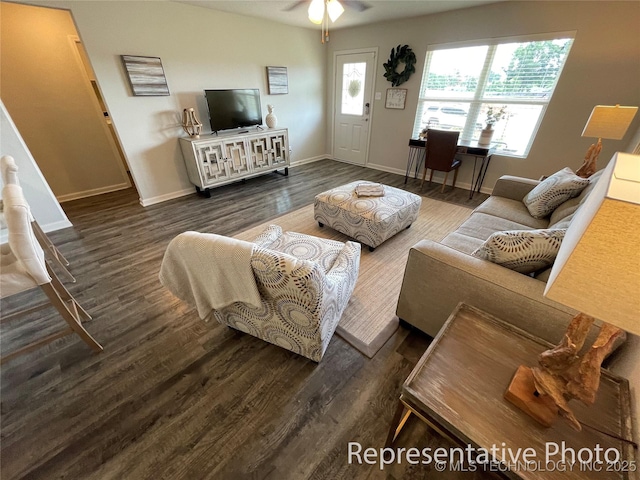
x=174, y=397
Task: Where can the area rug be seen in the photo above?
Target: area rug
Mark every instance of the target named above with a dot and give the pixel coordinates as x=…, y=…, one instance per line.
x=369, y=319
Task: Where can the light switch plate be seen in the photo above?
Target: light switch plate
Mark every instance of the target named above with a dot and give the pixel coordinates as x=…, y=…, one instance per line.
x=378, y=96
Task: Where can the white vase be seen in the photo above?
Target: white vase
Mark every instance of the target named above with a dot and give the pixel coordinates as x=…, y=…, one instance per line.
x=271, y=119
x=486, y=135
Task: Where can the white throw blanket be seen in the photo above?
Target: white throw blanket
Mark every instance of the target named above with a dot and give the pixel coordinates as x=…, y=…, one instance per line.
x=209, y=271
x=370, y=190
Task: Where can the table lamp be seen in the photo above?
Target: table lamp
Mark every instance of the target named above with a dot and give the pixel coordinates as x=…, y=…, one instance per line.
x=597, y=272
x=610, y=122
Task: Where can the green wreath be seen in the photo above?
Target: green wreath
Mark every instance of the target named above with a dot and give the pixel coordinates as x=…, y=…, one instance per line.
x=400, y=55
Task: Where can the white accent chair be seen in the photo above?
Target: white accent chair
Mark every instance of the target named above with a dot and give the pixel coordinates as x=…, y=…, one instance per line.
x=9, y=171
x=304, y=284
x=22, y=268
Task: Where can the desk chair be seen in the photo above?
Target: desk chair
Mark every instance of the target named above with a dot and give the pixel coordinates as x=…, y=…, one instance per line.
x=441, y=150
x=9, y=171
x=22, y=268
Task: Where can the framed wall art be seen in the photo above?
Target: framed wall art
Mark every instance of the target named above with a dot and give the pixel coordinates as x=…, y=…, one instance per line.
x=146, y=75
x=278, y=80
x=396, y=98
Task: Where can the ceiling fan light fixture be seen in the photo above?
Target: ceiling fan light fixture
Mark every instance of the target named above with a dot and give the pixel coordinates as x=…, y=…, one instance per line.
x=316, y=11
x=335, y=9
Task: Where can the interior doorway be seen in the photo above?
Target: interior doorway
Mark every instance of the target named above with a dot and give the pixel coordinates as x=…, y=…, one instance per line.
x=51, y=92
x=91, y=78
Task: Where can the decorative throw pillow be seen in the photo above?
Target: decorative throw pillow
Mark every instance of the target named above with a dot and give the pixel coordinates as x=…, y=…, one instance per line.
x=524, y=251
x=553, y=191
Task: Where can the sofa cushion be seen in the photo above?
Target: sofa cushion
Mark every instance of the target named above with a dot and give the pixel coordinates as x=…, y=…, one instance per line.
x=564, y=211
x=543, y=275
x=568, y=208
x=525, y=251
x=462, y=243
x=553, y=191
x=481, y=226
x=513, y=210
x=563, y=222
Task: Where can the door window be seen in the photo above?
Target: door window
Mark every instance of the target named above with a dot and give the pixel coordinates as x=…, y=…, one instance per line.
x=353, y=78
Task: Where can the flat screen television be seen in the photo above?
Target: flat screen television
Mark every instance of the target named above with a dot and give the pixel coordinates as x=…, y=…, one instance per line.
x=236, y=108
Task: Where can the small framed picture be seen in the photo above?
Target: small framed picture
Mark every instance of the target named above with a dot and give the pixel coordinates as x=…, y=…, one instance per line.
x=278, y=80
x=146, y=75
x=396, y=98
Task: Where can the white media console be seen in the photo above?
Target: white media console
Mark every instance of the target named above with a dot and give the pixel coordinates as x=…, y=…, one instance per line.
x=215, y=160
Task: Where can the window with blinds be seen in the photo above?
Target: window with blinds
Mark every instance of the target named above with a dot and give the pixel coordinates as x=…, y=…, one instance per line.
x=507, y=83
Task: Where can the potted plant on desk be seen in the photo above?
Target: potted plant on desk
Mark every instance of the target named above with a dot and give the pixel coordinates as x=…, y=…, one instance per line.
x=493, y=115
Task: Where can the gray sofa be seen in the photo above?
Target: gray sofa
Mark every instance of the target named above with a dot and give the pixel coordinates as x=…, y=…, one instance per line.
x=438, y=275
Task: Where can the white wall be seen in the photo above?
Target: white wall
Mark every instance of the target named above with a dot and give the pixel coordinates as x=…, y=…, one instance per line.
x=47, y=92
x=634, y=144
x=44, y=206
x=200, y=49
x=603, y=68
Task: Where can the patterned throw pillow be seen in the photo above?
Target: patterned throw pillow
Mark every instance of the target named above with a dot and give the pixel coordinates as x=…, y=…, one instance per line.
x=524, y=251
x=553, y=191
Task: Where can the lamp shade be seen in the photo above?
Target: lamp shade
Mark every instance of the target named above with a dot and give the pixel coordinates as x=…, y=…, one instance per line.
x=609, y=121
x=597, y=270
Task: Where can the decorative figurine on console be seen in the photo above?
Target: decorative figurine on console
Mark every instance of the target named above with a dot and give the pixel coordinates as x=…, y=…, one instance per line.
x=544, y=391
x=190, y=123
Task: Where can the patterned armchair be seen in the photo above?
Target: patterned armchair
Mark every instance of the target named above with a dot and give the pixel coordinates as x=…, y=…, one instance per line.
x=305, y=284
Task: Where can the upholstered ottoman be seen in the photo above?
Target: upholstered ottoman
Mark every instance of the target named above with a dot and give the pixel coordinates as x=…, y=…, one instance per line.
x=370, y=220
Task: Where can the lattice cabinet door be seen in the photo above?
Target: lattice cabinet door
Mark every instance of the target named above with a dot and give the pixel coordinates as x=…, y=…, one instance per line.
x=212, y=162
x=259, y=151
x=279, y=148
x=237, y=158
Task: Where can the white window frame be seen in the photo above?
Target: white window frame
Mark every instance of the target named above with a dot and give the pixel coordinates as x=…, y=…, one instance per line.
x=478, y=99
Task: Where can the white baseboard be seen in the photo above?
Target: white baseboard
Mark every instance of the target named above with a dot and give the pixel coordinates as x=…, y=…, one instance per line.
x=52, y=227
x=49, y=227
x=309, y=160
x=93, y=192
x=397, y=171
x=384, y=168
x=145, y=202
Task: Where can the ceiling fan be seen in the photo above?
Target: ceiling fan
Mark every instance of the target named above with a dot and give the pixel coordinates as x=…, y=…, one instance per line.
x=356, y=5
x=320, y=11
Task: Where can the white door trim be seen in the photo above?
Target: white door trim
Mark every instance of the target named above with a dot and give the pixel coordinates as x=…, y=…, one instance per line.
x=373, y=50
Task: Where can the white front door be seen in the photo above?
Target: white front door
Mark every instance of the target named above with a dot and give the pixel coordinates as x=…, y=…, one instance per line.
x=352, y=109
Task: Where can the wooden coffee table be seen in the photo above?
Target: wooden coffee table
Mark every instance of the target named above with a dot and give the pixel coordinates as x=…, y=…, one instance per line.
x=457, y=388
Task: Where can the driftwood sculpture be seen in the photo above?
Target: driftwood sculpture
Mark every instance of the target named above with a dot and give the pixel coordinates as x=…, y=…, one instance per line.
x=588, y=167
x=563, y=374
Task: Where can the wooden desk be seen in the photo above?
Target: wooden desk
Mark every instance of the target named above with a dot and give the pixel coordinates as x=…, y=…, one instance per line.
x=417, y=152
x=457, y=387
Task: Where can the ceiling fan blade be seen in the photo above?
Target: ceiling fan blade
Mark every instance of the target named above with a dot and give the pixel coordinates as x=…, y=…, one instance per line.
x=294, y=5
x=357, y=5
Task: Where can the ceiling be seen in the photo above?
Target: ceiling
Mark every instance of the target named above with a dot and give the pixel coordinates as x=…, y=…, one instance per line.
x=380, y=10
